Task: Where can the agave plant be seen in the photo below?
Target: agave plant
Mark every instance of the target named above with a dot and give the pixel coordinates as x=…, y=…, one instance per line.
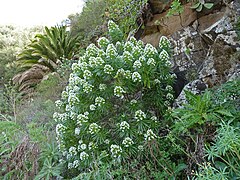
x=46, y=49
x=41, y=56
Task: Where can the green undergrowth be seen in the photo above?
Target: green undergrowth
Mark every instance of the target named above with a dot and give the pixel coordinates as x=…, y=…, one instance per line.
x=33, y=132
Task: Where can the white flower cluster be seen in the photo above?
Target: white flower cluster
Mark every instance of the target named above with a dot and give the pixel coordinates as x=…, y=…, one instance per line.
x=75, y=89
x=133, y=101
x=112, y=27
x=128, y=46
x=170, y=96
x=140, y=115
x=169, y=88
x=59, y=104
x=149, y=135
x=77, y=131
x=99, y=101
x=83, y=156
x=87, y=88
x=142, y=59
x=94, y=128
x=92, y=50
x=137, y=64
x=64, y=95
x=55, y=116
x=120, y=72
x=103, y=42
x=74, y=80
x=108, y=69
x=95, y=62
x=76, y=67
x=164, y=42
x=167, y=103
x=82, y=147
x=92, y=145
x=127, y=142
x=119, y=46
x=80, y=142
x=60, y=117
x=73, y=115
x=133, y=40
x=151, y=62
x=115, y=150
x=87, y=74
x=150, y=51
x=154, y=118
x=111, y=51
x=140, y=44
x=69, y=108
x=164, y=55
x=72, y=151
x=101, y=54
x=75, y=164
x=128, y=74
x=124, y=126
x=70, y=165
x=136, y=77
x=127, y=57
x=83, y=65
x=60, y=129
x=119, y=91
x=92, y=107
x=102, y=87
x=136, y=51
x=72, y=99
x=82, y=118
x=106, y=141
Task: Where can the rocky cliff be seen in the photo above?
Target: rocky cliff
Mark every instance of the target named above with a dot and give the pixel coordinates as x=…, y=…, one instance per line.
x=206, y=48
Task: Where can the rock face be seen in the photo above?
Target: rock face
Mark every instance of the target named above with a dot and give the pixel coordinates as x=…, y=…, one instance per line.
x=205, y=44
x=27, y=79
x=159, y=6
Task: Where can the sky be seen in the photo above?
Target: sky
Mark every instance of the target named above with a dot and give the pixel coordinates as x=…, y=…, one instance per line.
x=37, y=12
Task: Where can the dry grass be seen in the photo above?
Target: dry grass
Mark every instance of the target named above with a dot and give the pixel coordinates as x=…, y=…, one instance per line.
x=23, y=159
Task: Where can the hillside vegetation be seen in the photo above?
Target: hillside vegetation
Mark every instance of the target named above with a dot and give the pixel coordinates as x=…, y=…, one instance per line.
x=97, y=102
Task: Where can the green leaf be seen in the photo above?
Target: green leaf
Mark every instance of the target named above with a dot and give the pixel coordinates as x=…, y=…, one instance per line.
x=199, y=9
x=220, y=165
x=180, y=167
x=5, y=150
x=225, y=113
x=195, y=6
x=208, y=5
x=149, y=84
x=187, y=116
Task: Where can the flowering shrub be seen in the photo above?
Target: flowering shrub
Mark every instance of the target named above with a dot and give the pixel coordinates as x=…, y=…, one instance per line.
x=116, y=96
